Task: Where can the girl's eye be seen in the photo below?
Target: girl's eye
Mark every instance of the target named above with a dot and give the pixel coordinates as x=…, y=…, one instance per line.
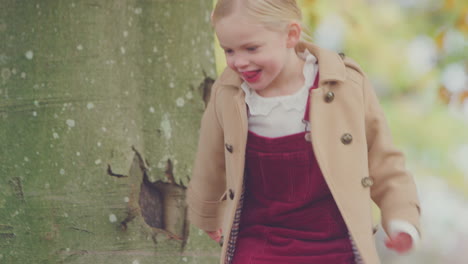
x=252, y=48
x=228, y=51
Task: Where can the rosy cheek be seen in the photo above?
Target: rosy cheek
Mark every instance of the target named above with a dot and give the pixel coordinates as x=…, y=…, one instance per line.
x=230, y=63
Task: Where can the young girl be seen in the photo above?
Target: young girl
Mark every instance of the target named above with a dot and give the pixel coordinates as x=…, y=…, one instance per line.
x=293, y=149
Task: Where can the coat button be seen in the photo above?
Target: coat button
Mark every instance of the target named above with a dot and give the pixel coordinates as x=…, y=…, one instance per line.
x=375, y=229
x=308, y=137
x=367, y=182
x=329, y=97
x=221, y=241
x=231, y=194
x=346, y=139
x=229, y=147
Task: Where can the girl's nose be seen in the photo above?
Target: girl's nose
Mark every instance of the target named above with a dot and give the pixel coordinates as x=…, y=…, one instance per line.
x=240, y=62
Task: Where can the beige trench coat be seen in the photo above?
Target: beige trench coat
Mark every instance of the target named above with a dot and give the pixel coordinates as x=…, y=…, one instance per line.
x=351, y=141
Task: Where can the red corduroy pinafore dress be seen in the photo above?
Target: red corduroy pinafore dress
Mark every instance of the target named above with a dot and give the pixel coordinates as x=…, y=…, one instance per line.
x=288, y=215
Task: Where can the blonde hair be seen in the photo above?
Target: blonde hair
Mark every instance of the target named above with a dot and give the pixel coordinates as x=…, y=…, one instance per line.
x=273, y=14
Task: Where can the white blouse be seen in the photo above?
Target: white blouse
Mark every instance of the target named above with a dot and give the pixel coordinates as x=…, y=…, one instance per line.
x=281, y=115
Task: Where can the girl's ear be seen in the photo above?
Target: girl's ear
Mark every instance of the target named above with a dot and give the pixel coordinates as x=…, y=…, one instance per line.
x=294, y=34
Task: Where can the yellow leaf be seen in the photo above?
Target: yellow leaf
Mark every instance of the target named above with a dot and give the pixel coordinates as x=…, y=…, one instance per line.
x=444, y=94
x=462, y=97
x=449, y=4
x=462, y=21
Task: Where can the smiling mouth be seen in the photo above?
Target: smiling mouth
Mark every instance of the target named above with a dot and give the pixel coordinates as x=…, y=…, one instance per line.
x=251, y=76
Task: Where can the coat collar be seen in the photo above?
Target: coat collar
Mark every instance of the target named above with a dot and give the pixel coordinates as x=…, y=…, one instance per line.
x=331, y=66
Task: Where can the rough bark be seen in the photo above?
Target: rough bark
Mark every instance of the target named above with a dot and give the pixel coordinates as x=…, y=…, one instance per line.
x=82, y=82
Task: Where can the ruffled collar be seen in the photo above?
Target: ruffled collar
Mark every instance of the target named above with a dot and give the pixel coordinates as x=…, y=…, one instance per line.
x=263, y=106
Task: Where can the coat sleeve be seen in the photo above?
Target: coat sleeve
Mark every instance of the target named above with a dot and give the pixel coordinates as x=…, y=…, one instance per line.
x=206, y=190
x=394, y=190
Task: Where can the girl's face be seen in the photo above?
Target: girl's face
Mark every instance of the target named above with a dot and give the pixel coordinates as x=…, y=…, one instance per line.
x=259, y=55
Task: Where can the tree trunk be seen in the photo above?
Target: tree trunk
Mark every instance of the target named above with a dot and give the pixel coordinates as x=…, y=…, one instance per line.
x=82, y=82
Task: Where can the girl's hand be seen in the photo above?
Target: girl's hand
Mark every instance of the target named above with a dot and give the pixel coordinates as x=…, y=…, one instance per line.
x=401, y=242
x=215, y=235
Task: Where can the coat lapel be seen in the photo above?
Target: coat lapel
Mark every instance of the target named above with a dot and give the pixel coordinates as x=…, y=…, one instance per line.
x=331, y=66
